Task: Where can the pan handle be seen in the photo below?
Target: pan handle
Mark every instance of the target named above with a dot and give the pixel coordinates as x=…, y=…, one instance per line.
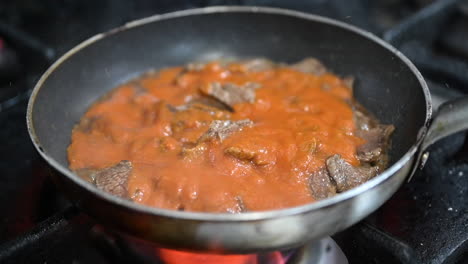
x=451, y=117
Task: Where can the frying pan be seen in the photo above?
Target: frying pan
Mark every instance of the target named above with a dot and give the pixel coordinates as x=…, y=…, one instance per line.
x=388, y=84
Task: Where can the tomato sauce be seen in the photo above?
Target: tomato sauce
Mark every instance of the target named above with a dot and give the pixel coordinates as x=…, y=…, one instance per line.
x=299, y=120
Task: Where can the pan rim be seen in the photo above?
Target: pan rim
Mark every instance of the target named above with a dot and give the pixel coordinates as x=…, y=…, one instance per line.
x=248, y=216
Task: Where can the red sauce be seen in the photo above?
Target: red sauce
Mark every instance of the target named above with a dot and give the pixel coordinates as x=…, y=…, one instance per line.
x=299, y=120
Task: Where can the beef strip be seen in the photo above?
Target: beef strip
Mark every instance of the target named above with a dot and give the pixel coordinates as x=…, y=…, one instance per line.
x=362, y=118
x=363, y=121
x=377, y=140
x=257, y=65
x=377, y=137
x=369, y=155
x=113, y=179
x=309, y=65
x=347, y=176
x=231, y=94
x=221, y=129
x=321, y=185
x=206, y=113
x=240, y=153
x=247, y=155
x=193, y=151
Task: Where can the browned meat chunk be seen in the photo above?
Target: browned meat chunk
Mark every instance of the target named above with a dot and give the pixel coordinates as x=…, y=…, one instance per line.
x=377, y=137
x=112, y=179
x=369, y=155
x=309, y=65
x=194, y=151
x=321, y=185
x=247, y=155
x=257, y=65
x=231, y=94
x=363, y=121
x=221, y=129
x=347, y=176
x=377, y=140
x=205, y=113
x=362, y=118
x=240, y=153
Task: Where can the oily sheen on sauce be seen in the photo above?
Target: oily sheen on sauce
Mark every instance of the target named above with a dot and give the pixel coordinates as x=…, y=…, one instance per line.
x=277, y=136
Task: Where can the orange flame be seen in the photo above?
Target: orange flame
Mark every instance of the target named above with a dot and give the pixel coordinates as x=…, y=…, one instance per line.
x=180, y=257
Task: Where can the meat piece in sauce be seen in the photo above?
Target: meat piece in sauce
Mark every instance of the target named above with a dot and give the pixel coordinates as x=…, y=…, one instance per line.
x=192, y=151
x=247, y=155
x=362, y=120
x=181, y=120
x=254, y=151
x=377, y=139
x=240, y=153
x=221, y=129
x=231, y=94
x=321, y=186
x=113, y=179
x=257, y=65
x=309, y=65
x=347, y=176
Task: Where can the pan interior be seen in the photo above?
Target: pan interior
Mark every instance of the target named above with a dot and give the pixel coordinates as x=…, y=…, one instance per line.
x=385, y=84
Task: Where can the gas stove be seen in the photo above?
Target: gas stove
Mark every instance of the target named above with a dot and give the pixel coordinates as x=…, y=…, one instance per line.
x=426, y=221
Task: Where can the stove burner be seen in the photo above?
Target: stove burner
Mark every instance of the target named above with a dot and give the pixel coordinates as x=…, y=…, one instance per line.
x=326, y=251
x=178, y=257
x=71, y=224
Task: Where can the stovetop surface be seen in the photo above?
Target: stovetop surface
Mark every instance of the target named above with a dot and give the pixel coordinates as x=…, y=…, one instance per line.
x=429, y=215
